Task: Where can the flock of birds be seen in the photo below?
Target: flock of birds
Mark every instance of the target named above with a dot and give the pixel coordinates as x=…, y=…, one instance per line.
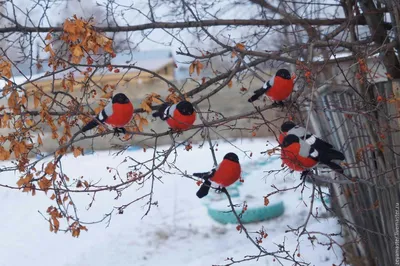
x=300, y=150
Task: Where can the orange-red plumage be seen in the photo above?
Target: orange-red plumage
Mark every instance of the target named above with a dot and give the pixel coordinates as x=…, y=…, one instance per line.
x=228, y=172
x=117, y=113
x=281, y=89
x=281, y=137
x=121, y=115
x=179, y=121
x=290, y=156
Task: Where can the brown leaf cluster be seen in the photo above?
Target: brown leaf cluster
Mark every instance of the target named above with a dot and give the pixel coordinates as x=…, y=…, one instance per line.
x=82, y=39
x=141, y=122
x=148, y=101
x=25, y=180
x=239, y=46
x=54, y=216
x=77, y=151
x=196, y=65
x=5, y=69
x=76, y=229
x=173, y=98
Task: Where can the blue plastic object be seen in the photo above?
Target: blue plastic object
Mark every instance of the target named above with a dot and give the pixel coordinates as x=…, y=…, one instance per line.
x=250, y=216
x=133, y=148
x=88, y=151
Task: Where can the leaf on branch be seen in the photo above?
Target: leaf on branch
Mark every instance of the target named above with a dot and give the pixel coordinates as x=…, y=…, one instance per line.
x=4, y=154
x=173, y=98
x=191, y=68
x=25, y=180
x=77, y=151
x=48, y=37
x=50, y=168
x=5, y=120
x=107, y=95
x=266, y=201
x=199, y=67
x=142, y=122
x=56, y=224
x=13, y=100
x=5, y=68
x=240, y=46
x=44, y=184
x=145, y=105
x=48, y=48
x=36, y=98
x=84, y=37
x=230, y=84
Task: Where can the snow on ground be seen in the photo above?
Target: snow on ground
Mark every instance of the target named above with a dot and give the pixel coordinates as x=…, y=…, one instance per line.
x=177, y=232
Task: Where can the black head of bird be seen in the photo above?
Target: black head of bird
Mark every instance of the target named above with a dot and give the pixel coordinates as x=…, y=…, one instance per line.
x=283, y=73
x=120, y=98
x=288, y=140
x=185, y=108
x=288, y=125
x=231, y=157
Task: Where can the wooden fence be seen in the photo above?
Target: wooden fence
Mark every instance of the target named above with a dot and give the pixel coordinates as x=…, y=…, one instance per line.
x=367, y=131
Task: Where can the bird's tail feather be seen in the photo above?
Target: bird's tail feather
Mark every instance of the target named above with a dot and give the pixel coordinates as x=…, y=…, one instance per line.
x=92, y=124
x=335, y=167
x=335, y=155
x=323, y=144
x=160, y=112
x=204, y=189
x=257, y=94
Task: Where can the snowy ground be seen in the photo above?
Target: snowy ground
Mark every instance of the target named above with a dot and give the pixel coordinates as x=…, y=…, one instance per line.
x=177, y=232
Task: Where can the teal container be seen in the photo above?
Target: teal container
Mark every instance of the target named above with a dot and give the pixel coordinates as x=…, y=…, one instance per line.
x=252, y=215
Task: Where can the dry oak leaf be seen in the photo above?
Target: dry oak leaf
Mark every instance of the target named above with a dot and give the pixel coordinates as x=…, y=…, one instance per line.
x=146, y=106
x=266, y=201
x=5, y=68
x=240, y=46
x=25, y=180
x=44, y=184
x=4, y=154
x=77, y=151
x=230, y=84
x=50, y=168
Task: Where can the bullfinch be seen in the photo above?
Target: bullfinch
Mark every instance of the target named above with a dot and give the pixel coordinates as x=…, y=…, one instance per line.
x=179, y=116
x=290, y=128
x=278, y=88
x=117, y=113
x=227, y=173
x=302, y=154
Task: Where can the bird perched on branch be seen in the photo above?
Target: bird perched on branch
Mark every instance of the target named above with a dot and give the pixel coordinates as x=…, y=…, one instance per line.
x=302, y=150
x=179, y=116
x=227, y=173
x=117, y=113
x=278, y=88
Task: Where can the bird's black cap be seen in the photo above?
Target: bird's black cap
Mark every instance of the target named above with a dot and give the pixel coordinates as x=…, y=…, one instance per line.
x=283, y=73
x=288, y=125
x=232, y=157
x=185, y=108
x=120, y=98
x=288, y=140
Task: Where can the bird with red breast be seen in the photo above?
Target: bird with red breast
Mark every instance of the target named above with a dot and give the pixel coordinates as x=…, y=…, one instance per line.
x=302, y=151
x=117, y=113
x=179, y=116
x=227, y=173
x=278, y=88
